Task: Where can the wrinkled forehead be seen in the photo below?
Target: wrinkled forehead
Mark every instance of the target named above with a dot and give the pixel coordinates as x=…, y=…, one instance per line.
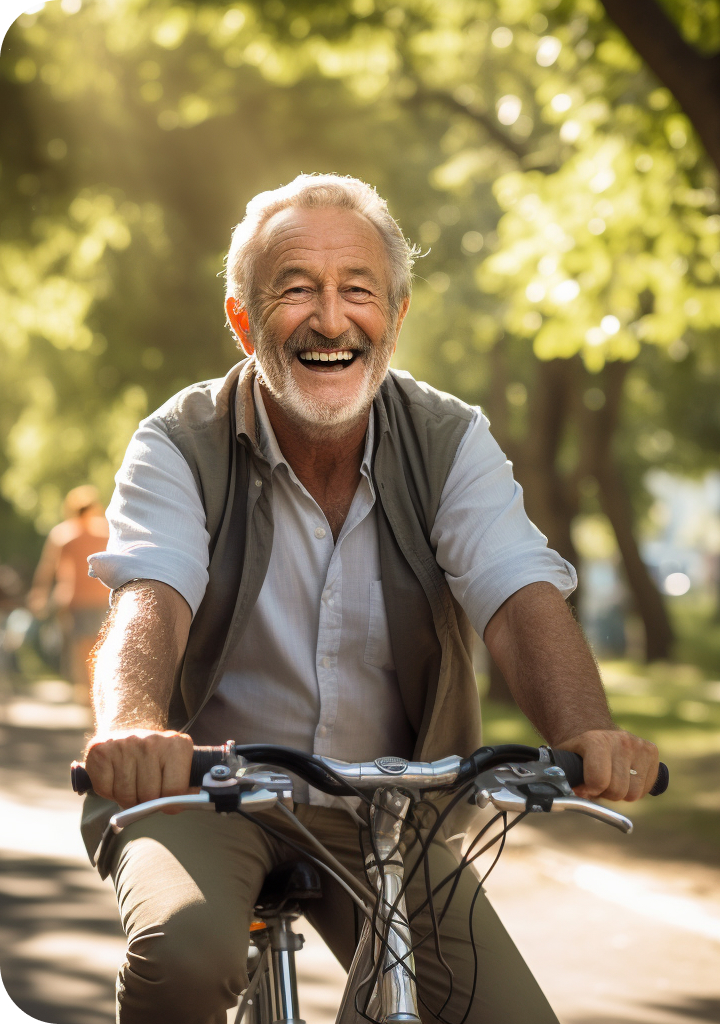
x=326, y=240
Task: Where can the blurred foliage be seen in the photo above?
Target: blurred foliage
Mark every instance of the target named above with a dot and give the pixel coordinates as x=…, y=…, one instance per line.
x=561, y=195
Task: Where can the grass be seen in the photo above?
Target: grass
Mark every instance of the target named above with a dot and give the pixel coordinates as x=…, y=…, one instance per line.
x=677, y=706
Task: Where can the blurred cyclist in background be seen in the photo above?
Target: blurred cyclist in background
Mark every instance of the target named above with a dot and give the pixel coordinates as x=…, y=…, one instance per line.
x=61, y=585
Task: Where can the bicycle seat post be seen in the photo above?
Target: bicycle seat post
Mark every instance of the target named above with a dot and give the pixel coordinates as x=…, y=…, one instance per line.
x=396, y=988
x=278, y=905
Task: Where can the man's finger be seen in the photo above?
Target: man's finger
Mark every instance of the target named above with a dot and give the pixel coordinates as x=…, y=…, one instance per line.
x=100, y=769
x=175, y=765
x=125, y=775
x=617, y=788
x=596, y=753
x=645, y=764
x=148, y=769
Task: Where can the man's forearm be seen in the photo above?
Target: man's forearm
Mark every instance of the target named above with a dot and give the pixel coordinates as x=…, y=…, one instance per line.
x=547, y=663
x=135, y=662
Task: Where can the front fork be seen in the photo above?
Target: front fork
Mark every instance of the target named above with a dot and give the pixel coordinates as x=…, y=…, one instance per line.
x=395, y=995
x=276, y=996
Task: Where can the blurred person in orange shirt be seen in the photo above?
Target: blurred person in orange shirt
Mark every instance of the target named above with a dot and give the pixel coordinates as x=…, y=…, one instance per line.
x=61, y=584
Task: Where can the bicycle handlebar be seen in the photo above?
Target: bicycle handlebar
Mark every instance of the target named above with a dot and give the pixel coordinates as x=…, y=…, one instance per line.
x=326, y=774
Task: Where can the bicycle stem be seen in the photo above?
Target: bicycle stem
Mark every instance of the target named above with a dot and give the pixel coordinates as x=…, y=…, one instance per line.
x=395, y=995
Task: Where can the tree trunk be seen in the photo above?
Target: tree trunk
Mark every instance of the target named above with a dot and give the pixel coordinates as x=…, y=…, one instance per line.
x=550, y=497
x=598, y=429
x=692, y=77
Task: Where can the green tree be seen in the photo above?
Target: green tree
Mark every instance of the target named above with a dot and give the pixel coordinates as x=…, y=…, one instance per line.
x=571, y=282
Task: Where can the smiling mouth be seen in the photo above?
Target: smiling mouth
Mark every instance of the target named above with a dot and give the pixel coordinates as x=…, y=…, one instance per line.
x=317, y=359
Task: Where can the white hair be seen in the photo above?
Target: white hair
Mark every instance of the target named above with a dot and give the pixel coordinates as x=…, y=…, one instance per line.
x=315, y=191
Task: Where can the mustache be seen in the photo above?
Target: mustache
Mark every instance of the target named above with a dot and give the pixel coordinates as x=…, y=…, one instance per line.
x=305, y=338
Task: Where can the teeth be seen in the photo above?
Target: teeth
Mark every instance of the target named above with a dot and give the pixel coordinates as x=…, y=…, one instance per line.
x=326, y=357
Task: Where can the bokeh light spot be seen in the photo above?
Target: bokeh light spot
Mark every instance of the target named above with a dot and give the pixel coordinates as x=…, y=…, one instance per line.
x=677, y=584
x=501, y=37
x=548, y=51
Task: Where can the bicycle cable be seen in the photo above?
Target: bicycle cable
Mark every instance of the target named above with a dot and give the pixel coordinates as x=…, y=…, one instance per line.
x=379, y=955
x=338, y=867
x=309, y=856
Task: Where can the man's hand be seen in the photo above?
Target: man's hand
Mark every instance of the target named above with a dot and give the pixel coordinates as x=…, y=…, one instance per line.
x=608, y=757
x=131, y=766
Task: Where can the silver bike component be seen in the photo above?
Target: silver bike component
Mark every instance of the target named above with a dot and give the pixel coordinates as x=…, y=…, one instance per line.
x=370, y=774
x=506, y=799
x=267, y=778
x=250, y=777
x=211, y=780
x=510, y=800
x=261, y=800
x=395, y=995
x=284, y=943
x=576, y=803
x=187, y=802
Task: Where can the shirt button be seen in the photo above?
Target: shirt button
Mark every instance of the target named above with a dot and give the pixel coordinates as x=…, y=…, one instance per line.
x=322, y=730
x=326, y=594
x=258, y=483
x=325, y=663
x=320, y=532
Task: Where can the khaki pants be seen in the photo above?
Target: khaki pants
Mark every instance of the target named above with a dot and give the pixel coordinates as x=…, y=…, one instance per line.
x=186, y=885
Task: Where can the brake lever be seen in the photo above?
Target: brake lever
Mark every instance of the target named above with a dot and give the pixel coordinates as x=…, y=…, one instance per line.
x=506, y=798
x=606, y=814
x=185, y=802
x=250, y=800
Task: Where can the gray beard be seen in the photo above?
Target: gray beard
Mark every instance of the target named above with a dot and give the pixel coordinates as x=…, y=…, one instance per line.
x=312, y=416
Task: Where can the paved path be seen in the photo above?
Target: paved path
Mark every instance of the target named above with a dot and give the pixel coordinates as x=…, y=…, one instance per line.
x=613, y=940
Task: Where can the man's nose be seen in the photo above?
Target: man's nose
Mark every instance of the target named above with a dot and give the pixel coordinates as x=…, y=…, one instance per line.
x=328, y=317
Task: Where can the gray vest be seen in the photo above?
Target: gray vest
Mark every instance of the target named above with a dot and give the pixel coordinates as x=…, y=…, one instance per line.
x=417, y=433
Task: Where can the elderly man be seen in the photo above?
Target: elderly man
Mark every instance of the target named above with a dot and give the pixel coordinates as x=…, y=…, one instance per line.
x=296, y=552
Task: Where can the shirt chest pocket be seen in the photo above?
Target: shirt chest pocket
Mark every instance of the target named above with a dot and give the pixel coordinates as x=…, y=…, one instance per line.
x=378, y=651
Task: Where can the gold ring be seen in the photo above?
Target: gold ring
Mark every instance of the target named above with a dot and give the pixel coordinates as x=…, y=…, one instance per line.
x=633, y=772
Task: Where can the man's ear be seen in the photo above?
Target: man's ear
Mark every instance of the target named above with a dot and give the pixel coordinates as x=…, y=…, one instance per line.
x=402, y=313
x=240, y=323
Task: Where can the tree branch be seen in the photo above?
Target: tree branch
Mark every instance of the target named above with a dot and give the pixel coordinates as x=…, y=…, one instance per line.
x=525, y=154
x=692, y=77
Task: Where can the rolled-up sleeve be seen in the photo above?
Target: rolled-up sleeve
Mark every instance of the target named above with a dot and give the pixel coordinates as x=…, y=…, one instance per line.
x=156, y=519
x=485, y=543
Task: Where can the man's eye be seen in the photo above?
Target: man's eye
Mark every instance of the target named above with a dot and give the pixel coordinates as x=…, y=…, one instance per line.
x=357, y=290
x=299, y=289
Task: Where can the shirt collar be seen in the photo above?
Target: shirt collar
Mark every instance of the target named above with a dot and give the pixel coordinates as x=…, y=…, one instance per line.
x=270, y=448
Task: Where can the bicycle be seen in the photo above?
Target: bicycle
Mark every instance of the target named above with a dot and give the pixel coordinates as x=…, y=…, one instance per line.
x=381, y=984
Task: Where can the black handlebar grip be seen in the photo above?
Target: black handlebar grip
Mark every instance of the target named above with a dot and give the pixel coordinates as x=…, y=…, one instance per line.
x=79, y=778
x=203, y=759
x=662, y=781
x=572, y=765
